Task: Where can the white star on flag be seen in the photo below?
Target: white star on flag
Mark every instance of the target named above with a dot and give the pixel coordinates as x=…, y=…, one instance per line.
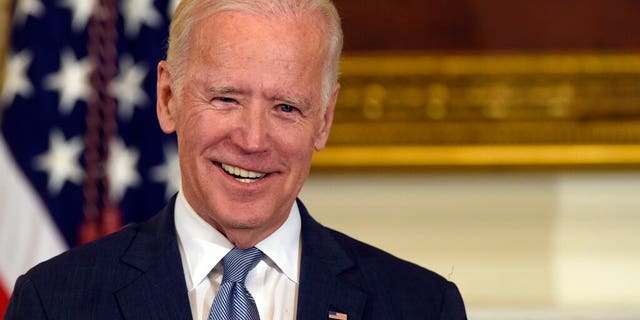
x=26, y=8
x=127, y=87
x=168, y=173
x=139, y=12
x=71, y=81
x=122, y=169
x=60, y=162
x=81, y=10
x=16, y=81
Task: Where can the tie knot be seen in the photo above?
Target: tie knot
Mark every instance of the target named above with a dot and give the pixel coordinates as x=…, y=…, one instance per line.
x=238, y=262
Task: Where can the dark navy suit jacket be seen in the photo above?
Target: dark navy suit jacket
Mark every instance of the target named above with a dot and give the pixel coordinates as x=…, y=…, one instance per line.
x=136, y=273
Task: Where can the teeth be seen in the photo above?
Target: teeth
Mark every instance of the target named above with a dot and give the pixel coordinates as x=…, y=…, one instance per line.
x=243, y=175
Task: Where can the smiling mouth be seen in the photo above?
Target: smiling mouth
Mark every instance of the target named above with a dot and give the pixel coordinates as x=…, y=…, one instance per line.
x=242, y=175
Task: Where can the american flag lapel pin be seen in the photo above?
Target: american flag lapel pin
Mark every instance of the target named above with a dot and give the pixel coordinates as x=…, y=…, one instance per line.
x=337, y=315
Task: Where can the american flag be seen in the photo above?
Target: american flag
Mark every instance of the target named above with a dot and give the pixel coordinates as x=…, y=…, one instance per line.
x=337, y=315
x=81, y=151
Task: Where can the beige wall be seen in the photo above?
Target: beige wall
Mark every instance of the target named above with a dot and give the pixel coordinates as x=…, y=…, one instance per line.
x=510, y=240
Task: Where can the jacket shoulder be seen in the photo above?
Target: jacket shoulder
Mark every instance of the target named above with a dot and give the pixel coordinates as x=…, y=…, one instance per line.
x=101, y=252
x=409, y=287
x=75, y=282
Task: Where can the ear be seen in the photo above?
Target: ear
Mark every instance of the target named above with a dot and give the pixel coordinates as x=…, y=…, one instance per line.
x=165, y=105
x=327, y=120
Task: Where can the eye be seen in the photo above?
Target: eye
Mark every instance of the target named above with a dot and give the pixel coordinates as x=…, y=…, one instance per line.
x=225, y=99
x=286, y=108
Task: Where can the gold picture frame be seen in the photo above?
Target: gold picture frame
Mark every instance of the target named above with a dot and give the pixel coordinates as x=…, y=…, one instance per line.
x=523, y=110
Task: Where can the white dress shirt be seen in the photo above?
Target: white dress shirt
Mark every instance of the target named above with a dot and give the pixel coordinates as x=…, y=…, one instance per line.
x=273, y=283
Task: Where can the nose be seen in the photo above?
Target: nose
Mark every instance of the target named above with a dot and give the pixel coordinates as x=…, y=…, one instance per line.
x=252, y=132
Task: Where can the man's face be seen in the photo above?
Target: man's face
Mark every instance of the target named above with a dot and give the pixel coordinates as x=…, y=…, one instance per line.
x=248, y=116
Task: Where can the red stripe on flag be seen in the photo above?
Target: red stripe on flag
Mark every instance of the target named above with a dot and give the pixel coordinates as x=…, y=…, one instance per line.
x=4, y=300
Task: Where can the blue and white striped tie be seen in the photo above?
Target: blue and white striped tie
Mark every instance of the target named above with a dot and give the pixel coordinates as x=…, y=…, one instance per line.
x=233, y=301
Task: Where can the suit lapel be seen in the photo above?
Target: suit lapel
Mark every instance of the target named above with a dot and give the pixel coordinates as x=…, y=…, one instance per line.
x=328, y=281
x=160, y=292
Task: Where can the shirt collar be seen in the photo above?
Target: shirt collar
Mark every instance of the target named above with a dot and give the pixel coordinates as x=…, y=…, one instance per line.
x=283, y=246
x=204, y=246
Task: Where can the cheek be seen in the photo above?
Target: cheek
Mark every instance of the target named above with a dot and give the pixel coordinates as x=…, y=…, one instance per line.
x=197, y=130
x=297, y=144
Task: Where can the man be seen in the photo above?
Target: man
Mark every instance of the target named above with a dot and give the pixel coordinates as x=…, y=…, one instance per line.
x=250, y=87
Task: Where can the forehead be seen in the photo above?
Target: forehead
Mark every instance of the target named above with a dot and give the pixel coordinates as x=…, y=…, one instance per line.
x=289, y=50
x=304, y=33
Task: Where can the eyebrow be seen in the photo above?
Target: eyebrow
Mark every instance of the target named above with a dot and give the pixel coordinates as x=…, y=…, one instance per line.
x=225, y=90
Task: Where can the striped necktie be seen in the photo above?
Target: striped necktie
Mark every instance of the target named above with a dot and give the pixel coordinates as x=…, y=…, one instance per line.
x=233, y=301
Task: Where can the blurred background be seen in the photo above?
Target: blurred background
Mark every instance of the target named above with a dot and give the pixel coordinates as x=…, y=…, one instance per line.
x=526, y=239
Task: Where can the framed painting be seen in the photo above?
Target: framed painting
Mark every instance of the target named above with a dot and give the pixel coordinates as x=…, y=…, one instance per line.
x=487, y=83
x=486, y=110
